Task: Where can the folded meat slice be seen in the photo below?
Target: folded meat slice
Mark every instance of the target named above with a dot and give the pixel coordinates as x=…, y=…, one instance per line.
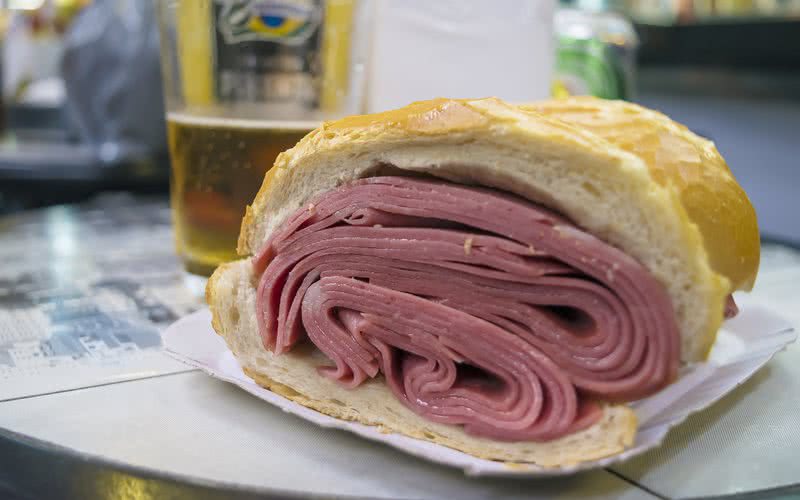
x=731, y=309
x=479, y=308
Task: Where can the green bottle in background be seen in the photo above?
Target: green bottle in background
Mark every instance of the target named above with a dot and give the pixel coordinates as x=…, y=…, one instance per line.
x=595, y=51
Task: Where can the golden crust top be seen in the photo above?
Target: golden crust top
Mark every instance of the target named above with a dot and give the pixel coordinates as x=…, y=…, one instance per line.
x=419, y=120
x=689, y=165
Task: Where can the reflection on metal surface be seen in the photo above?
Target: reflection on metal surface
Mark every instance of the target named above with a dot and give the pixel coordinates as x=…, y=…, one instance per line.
x=62, y=232
x=33, y=469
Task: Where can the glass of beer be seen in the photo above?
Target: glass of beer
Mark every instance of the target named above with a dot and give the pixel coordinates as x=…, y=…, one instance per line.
x=243, y=81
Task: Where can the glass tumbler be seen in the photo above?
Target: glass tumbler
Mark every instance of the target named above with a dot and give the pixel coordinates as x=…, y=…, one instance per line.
x=243, y=81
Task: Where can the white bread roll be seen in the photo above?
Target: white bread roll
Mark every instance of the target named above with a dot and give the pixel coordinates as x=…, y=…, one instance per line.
x=606, y=190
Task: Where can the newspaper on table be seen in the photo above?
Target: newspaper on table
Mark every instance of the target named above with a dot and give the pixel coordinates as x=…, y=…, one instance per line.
x=84, y=292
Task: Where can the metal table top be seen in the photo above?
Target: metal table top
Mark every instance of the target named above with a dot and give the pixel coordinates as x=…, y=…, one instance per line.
x=91, y=408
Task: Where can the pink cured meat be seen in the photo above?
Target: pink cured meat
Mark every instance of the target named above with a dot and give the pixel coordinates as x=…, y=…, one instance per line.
x=479, y=308
x=731, y=309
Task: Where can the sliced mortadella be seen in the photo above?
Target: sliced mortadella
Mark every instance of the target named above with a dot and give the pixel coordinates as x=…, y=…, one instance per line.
x=478, y=308
x=731, y=309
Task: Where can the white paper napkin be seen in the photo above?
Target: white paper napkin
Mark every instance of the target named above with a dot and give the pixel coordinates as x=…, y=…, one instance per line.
x=744, y=345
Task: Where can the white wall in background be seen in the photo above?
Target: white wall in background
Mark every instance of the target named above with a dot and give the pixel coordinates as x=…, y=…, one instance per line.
x=459, y=48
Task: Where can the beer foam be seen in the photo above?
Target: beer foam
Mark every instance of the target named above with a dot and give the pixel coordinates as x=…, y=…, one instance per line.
x=186, y=118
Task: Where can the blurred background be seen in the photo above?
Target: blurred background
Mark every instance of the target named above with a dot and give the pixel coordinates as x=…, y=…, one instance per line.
x=83, y=112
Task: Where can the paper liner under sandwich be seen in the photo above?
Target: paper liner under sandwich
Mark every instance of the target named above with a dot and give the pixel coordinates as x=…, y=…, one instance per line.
x=744, y=345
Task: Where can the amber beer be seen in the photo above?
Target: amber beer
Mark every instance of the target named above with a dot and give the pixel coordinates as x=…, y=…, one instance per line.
x=218, y=165
x=244, y=80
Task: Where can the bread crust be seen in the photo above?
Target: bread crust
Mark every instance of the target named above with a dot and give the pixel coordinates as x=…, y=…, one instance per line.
x=685, y=163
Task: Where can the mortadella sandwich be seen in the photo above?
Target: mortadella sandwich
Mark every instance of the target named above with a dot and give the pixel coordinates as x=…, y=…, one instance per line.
x=497, y=279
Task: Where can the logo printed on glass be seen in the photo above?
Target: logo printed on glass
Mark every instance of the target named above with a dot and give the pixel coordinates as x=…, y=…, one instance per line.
x=290, y=22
